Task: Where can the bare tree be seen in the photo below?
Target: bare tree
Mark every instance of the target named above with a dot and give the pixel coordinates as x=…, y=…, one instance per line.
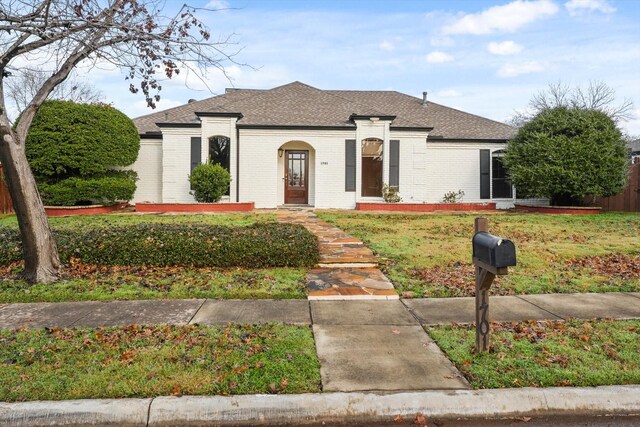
x=596, y=95
x=22, y=87
x=134, y=35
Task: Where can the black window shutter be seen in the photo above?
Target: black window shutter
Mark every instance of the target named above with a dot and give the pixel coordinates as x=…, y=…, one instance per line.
x=485, y=176
x=196, y=151
x=394, y=163
x=350, y=165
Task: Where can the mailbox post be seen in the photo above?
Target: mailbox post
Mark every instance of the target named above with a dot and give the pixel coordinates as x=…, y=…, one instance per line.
x=492, y=256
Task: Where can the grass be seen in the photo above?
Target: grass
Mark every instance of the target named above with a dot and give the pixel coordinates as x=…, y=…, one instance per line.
x=139, y=361
x=546, y=354
x=429, y=255
x=91, y=221
x=86, y=282
x=91, y=283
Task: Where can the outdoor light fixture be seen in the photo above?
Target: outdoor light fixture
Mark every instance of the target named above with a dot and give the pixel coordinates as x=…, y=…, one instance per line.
x=280, y=152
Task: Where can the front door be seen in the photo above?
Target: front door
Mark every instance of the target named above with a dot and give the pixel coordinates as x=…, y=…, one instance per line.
x=296, y=177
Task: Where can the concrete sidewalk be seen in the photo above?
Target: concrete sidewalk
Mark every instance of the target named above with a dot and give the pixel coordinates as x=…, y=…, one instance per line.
x=361, y=345
x=427, y=311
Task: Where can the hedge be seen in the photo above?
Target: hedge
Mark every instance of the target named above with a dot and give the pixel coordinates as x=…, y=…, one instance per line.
x=68, y=139
x=255, y=246
x=105, y=189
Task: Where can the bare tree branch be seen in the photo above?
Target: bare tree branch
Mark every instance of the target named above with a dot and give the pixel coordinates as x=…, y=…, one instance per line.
x=596, y=95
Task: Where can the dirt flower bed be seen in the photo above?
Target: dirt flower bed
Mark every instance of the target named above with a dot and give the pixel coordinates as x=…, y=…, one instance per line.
x=618, y=266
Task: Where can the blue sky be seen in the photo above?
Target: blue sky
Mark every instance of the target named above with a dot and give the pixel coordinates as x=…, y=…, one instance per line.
x=484, y=57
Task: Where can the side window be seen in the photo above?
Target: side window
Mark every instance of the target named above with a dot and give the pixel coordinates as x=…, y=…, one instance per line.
x=502, y=187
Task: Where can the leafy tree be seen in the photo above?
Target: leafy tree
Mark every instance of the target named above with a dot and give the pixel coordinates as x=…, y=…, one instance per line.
x=566, y=154
x=74, y=150
x=138, y=36
x=209, y=182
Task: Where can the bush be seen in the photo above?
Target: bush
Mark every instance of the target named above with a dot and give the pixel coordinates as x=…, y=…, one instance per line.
x=209, y=182
x=105, y=189
x=255, y=246
x=68, y=139
x=76, y=150
x=453, y=196
x=566, y=154
x=390, y=194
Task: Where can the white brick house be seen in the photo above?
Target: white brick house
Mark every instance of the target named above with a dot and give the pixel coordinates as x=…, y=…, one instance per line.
x=296, y=144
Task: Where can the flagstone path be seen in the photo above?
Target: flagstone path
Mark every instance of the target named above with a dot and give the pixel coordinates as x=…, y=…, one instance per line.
x=347, y=269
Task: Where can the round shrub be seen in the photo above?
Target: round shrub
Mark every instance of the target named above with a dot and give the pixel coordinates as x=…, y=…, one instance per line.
x=68, y=139
x=209, y=182
x=566, y=154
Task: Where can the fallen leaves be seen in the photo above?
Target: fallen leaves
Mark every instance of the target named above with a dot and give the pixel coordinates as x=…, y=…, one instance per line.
x=615, y=265
x=457, y=278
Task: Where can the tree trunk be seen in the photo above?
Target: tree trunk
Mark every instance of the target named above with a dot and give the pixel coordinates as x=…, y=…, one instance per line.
x=41, y=261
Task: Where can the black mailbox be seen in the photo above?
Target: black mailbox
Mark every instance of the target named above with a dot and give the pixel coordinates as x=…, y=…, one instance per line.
x=494, y=251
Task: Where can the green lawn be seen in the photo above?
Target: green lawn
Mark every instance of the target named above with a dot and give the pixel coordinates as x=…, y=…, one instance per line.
x=546, y=354
x=76, y=222
x=140, y=361
x=88, y=282
x=91, y=283
x=429, y=255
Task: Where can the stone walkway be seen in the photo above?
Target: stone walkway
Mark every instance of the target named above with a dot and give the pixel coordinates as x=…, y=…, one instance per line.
x=347, y=269
x=361, y=345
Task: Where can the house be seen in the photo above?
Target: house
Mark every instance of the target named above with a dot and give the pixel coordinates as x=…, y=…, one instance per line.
x=299, y=145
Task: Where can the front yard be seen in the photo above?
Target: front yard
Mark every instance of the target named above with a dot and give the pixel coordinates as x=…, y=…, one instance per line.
x=146, y=361
x=166, y=256
x=430, y=255
x=546, y=354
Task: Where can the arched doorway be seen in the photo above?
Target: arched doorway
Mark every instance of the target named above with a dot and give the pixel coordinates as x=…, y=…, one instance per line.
x=296, y=160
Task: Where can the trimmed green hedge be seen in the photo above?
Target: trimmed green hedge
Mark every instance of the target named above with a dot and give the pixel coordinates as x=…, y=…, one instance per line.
x=105, y=189
x=68, y=139
x=254, y=246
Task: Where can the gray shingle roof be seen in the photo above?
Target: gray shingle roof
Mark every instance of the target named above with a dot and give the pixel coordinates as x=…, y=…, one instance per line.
x=298, y=104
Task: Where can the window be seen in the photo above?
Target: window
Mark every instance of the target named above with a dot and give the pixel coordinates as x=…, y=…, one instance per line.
x=372, y=167
x=219, y=147
x=502, y=187
x=219, y=150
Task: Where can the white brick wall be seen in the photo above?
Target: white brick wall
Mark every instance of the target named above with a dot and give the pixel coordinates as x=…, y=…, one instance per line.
x=261, y=170
x=176, y=164
x=224, y=126
x=428, y=169
x=149, y=169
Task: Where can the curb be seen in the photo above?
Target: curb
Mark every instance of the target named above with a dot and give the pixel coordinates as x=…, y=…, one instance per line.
x=327, y=407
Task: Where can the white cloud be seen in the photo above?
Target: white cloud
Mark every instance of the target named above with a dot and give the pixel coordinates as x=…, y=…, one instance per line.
x=508, y=47
x=217, y=4
x=448, y=93
x=509, y=17
x=513, y=70
x=387, y=45
x=578, y=7
x=438, y=57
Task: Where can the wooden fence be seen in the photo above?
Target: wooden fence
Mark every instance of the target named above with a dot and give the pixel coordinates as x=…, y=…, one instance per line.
x=5, y=199
x=629, y=199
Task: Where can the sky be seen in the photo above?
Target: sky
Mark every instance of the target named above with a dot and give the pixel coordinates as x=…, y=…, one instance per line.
x=484, y=57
